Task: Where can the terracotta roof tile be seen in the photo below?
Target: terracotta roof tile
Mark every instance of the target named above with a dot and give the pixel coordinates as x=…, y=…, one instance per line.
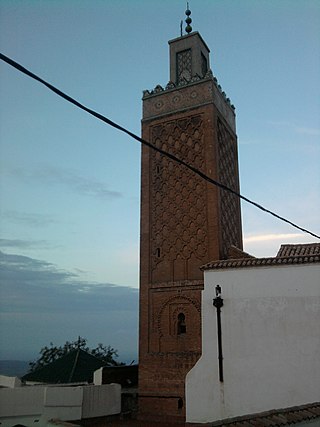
x=315, y=410
x=287, y=254
x=261, y=262
x=279, y=419
x=275, y=418
x=235, y=252
x=271, y=421
x=298, y=250
x=306, y=414
x=260, y=423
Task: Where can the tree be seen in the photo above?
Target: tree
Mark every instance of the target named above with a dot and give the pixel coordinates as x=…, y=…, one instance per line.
x=49, y=354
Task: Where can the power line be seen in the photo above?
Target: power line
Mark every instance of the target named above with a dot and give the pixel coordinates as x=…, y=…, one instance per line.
x=148, y=144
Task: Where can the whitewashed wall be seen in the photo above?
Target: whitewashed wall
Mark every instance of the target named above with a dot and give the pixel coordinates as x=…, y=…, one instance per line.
x=102, y=400
x=270, y=339
x=38, y=404
x=10, y=382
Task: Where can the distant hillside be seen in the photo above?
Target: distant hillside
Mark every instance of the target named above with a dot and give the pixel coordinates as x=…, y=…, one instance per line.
x=13, y=368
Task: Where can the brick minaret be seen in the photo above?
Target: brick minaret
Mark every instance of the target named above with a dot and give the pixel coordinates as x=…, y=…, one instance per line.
x=185, y=221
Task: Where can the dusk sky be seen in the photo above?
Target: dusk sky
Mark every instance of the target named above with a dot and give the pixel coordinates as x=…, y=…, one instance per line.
x=70, y=184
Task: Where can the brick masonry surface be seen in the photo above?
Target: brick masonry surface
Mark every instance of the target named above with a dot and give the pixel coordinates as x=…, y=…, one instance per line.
x=185, y=223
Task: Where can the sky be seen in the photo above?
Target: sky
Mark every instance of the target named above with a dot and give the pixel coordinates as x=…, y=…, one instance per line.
x=70, y=184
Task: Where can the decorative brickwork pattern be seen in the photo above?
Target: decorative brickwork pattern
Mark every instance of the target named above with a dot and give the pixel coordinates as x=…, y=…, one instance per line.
x=179, y=237
x=198, y=92
x=181, y=221
x=230, y=204
x=167, y=308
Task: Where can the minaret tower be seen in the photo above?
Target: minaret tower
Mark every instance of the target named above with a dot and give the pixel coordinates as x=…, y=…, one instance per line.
x=185, y=221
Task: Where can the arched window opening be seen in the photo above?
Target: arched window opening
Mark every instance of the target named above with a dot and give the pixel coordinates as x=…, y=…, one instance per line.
x=182, y=328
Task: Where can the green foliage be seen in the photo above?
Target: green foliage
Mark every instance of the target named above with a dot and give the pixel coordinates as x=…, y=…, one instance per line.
x=49, y=354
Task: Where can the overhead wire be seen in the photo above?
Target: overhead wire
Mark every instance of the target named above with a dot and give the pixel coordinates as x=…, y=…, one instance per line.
x=148, y=144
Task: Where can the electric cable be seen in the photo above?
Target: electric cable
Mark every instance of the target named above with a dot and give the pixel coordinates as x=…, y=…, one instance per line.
x=148, y=144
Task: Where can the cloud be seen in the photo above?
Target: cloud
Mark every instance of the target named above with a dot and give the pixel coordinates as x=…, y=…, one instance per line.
x=69, y=179
x=294, y=128
x=130, y=254
x=31, y=219
x=270, y=237
x=267, y=245
x=280, y=123
x=31, y=283
x=42, y=303
x=308, y=131
x=24, y=244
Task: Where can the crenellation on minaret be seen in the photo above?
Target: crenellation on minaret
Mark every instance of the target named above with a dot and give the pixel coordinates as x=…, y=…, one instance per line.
x=192, y=95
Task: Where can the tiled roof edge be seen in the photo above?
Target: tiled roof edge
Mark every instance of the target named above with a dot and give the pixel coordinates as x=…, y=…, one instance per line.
x=274, y=417
x=260, y=262
x=299, y=249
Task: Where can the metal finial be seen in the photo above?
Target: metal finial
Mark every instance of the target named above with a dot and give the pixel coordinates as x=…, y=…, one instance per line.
x=188, y=19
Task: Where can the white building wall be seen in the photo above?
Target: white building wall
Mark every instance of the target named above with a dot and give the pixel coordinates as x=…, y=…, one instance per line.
x=102, y=400
x=10, y=382
x=270, y=340
x=38, y=404
x=21, y=401
x=97, y=376
x=63, y=403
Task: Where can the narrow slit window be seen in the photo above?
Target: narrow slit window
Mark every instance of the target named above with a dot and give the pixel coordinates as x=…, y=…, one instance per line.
x=204, y=65
x=158, y=253
x=182, y=328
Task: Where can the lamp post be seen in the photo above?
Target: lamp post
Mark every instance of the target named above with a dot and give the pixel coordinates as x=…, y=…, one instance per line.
x=218, y=303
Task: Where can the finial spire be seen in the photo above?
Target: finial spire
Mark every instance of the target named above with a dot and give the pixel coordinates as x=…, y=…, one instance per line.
x=188, y=19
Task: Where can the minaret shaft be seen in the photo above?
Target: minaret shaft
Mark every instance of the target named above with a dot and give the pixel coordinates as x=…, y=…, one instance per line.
x=185, y=221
